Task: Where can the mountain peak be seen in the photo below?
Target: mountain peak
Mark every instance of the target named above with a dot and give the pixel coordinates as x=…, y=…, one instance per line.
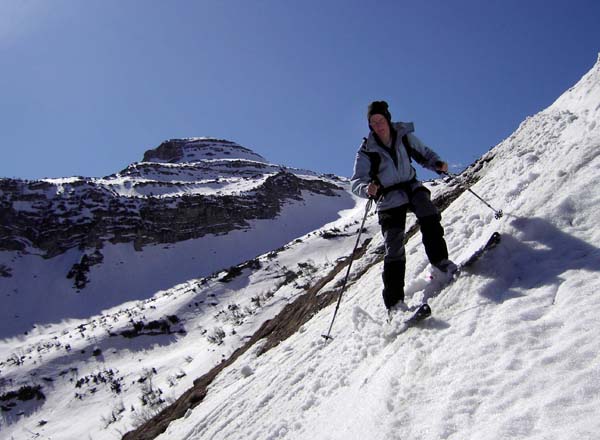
x=197, y=149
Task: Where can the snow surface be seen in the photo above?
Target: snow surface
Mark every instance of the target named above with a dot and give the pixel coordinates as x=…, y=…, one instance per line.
x=512, y=348
x=511, y=351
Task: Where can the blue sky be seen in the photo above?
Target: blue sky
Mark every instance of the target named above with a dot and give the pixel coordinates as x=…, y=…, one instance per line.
x=87, y=86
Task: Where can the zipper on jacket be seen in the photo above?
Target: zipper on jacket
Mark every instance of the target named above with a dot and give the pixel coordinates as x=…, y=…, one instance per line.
x=390, y=150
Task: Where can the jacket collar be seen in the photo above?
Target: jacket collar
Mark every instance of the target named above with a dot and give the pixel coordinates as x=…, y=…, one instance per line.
x=401, y=128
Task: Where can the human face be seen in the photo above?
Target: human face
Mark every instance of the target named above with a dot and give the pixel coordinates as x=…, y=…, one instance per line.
x=380, y=126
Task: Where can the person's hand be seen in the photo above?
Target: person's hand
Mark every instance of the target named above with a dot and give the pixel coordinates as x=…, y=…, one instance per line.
x=372, y=189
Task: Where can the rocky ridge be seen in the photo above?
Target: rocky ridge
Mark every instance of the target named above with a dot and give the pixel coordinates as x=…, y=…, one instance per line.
x=185, y=188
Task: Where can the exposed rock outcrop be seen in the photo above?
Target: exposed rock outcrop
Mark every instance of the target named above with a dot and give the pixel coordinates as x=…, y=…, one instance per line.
x=183, y=197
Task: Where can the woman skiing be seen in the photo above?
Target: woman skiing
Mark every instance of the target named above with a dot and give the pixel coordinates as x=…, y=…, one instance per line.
x=383, y=170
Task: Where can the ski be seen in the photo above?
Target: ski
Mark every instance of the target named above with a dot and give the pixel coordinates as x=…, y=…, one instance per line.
x=423, y=312
x=490, y=244
x=394, y=329
x=436, y=286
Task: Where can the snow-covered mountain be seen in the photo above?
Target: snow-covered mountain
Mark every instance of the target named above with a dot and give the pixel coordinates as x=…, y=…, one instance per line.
x=511, y=351
x=191, y=207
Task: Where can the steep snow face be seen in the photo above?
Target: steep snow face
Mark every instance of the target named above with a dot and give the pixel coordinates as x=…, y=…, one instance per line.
x=551, y=158
x=584, y=97
x=511, y=349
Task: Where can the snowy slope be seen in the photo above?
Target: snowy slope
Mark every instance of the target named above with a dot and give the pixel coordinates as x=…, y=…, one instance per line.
x=117, y=367
x=510, y=352
x=154, y=318
x=512, y=349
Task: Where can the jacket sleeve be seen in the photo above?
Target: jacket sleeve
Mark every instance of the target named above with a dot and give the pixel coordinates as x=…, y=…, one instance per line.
x=425, y=156
x=360, y=178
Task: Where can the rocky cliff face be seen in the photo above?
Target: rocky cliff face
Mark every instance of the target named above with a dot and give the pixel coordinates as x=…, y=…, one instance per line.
x=183, y=189
x=194, y=149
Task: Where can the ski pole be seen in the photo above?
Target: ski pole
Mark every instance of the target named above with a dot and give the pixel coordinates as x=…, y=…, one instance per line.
x=497, y=213
x=327, y=336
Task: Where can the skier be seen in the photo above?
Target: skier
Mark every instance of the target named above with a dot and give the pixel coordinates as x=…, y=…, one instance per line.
x=383, y=171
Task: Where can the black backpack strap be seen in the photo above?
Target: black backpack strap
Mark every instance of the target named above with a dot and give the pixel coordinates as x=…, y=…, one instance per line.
x=412, y=153
x=409, y=149
x=374, y=160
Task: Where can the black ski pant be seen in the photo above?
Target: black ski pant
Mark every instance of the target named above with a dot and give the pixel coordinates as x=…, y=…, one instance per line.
x=393, y=223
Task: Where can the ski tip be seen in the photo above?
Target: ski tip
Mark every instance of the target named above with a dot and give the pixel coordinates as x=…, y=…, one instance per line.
x=495, y=238
x=424, y=311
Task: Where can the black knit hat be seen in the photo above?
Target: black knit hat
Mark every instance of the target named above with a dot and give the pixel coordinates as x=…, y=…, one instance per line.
x=379, y=108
